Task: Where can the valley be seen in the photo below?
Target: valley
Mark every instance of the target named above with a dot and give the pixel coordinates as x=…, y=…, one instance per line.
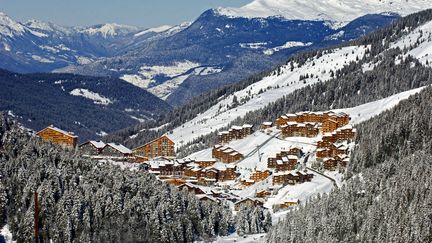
x=277, y=121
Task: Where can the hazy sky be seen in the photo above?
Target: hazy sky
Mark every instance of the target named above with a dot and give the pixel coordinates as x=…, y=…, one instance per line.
x=143, y=13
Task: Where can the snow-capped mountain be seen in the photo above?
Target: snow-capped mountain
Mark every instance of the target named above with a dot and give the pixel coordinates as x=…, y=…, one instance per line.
x=341, y=11
x=216, y=50
x=374, y=74
x=110, y=30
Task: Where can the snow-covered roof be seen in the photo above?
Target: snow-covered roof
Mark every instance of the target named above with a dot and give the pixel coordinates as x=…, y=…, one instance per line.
x=96, y=144
x=302, y=172
x=122, y=149
x=267, y=123
x=292, y=157
x=247, y=126
x=236, y=127
x=69, y=134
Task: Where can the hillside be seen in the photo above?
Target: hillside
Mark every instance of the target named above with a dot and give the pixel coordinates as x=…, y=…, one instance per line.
x=81, y=200
x=89, y=106
x=230, y=50
x=37, y=46
x=381, y=201
x=358, y=72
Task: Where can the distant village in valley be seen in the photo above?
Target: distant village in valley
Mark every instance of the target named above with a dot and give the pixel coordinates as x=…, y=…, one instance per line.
x=276, y=165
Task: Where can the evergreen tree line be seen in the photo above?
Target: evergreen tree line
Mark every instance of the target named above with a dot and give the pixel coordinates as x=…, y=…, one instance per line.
x=352, y=86
x=85, y=201
x=387, y=197
x=252, y=220
x=378, y=40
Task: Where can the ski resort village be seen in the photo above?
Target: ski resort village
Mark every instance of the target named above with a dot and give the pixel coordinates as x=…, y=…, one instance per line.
x=276, y=165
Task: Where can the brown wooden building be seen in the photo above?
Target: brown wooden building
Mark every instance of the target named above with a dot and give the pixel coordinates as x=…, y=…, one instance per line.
x=92, y=148
x=159, y=147
x=58, y=136
x=260, y=175
x=249, y=202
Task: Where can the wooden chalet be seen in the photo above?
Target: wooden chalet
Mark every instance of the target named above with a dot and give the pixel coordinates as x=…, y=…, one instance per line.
x=266, y=125
x=249, y=202
x=262, y=194
x=286, y=204
x=329, y=125
x=291, y=177
x=191, y=188
x=226, y=154
x=57, y=136
x=92, y=148
x=260, y=175
x=236, y=132
x=294, y=129
x=160, y=147
x=246, y=182
x=282, y=163
x=115, y=150
x=345, y=133
x=206, y=163
x=330, y=163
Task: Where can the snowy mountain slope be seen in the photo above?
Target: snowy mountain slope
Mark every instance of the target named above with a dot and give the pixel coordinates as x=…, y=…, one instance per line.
x=268, y=90
x=110, y=30
x=36, y=46
x=366, y=111
x=419, y=41
x=340, y=11
x=239, y=47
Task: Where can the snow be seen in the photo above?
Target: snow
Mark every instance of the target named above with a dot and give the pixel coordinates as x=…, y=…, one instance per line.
x=423, y=51
x=159, y=29
x=7, y=47
x=110, y=30
x=97, y=98
x=164, y=90
x=120, y=148
x=366, y=111
x=257, y=45
x=264, y=92
x=176, y=74
x=41, y=59
x=289, y=44
x=98, y=144
x=330, y=10
x=9, y=27
x=7, y=235
x=147, y=74
x=255, y=238
x=204, y=71
x=84, y=60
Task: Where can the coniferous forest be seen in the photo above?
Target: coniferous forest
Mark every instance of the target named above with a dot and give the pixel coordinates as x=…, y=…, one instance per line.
x=80, y=201
x=387, y=197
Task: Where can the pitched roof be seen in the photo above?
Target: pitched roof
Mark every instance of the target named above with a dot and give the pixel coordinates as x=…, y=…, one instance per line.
x=96, y=144
x=165, y=135
x=51, y=127
x=122, y=149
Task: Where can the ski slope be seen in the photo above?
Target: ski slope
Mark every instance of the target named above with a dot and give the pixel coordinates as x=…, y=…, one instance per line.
x=366, y=111
x=262, y=93
x=340, y=11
